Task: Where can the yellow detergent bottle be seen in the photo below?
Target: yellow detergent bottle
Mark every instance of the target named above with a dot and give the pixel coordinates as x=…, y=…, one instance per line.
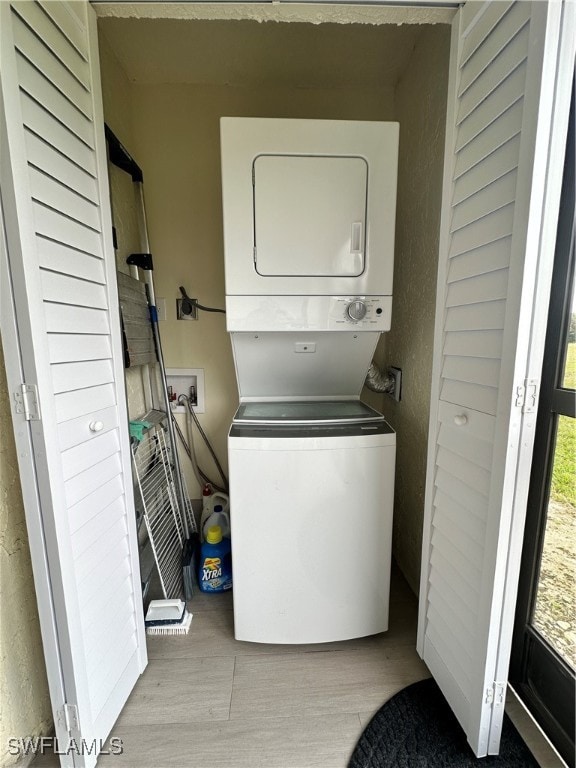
x=215, y=570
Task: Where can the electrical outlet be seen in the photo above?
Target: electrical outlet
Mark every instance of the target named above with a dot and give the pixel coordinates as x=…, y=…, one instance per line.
x=182, y=315
x=396, y=374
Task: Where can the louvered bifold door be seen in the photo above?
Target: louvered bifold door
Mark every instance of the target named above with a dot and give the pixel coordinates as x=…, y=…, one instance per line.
x=61, y=262
x=502, y=87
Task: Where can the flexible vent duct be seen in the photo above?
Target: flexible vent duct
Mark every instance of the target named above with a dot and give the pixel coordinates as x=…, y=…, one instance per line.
x=378, y=381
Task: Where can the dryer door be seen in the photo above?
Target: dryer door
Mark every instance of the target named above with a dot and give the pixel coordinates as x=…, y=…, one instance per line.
x=309, y=215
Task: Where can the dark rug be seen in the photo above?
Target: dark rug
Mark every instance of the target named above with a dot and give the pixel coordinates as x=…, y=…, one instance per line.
x=417, y=729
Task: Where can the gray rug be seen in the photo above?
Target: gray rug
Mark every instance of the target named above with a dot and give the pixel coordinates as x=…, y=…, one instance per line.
x=417, y=729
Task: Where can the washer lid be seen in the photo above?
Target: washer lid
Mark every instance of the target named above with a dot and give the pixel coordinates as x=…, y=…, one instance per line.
x=306, y=412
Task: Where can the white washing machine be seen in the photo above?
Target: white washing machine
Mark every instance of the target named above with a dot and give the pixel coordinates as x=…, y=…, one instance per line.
x=312, y=490
x=309, y=208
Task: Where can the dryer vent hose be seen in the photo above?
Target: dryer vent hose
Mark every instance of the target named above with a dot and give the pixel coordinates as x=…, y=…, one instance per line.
x=378, y=381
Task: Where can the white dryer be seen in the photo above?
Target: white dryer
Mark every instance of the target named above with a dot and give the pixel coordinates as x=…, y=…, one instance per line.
x=309, y=208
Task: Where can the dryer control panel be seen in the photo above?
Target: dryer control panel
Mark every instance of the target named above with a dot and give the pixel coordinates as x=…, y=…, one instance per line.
x=363, y=312
x=309, y=313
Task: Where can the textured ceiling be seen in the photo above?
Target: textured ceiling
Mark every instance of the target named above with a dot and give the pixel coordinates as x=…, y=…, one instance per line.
x=250, y=53
x=350, y=12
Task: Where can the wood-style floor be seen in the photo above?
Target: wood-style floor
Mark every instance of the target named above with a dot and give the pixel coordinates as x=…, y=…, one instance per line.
x=206, y=699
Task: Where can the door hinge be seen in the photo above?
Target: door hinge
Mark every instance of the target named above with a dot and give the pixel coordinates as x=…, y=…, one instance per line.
x=26, y=398
x=495, y=695
x=253, y=176
x=526, y=395
x=254, y=254
x=68, y=718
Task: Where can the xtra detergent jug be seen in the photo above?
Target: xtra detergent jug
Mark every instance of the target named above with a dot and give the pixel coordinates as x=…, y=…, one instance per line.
x=215, y=571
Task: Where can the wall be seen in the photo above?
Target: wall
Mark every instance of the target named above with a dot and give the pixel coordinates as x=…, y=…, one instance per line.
x=176, y=133
x=420, y=101
x=24, y=699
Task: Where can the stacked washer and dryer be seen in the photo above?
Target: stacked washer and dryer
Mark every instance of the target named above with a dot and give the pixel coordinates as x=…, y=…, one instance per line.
x=309, y=211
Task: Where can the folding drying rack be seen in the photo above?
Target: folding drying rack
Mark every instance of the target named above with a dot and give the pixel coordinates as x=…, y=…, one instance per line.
x=161, y=495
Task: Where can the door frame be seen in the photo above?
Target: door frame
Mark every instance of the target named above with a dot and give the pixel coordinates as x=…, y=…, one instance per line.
x=557, y=81
x=546, y=430
x=32, y=500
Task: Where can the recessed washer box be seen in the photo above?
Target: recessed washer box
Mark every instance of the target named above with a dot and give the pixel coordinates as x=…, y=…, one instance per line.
x=309, y=206
x=181, y=380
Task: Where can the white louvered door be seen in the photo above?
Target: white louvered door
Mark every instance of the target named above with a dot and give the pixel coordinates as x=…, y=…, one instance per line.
x=509, y=94
x=75, y=460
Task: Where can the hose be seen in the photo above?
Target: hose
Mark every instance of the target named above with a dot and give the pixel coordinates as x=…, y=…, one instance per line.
x=201, y=476
x=198, y=474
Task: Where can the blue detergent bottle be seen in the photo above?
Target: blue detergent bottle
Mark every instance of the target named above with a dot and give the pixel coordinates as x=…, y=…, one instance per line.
x=215, y=571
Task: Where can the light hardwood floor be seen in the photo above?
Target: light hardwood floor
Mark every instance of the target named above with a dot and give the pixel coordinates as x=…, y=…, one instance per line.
x=206, y=699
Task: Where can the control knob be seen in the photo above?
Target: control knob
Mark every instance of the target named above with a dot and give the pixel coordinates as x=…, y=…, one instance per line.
x=356, y=310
